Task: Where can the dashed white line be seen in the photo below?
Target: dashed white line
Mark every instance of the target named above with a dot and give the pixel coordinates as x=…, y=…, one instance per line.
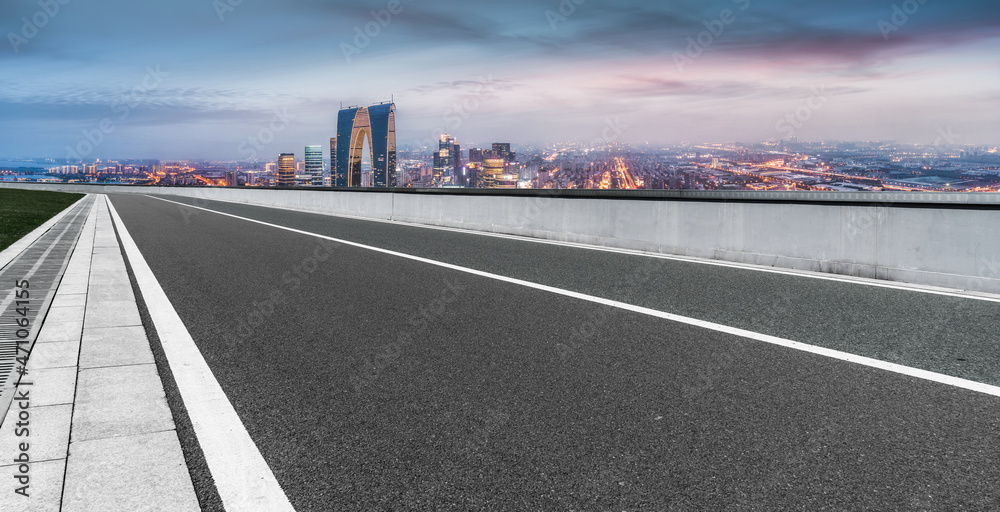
x=835, y=354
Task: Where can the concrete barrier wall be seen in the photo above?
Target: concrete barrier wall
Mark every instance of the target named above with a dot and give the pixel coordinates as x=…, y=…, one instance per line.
x=948, y=240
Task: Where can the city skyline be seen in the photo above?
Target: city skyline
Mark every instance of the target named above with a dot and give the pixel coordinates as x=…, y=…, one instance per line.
x=215, y=80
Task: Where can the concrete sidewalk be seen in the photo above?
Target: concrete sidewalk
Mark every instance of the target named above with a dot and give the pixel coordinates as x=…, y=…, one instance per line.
x=99, y=435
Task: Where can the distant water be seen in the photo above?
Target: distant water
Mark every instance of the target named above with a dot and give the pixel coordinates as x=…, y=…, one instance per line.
x=23, y=177
x=38, y=170
x=7, y=164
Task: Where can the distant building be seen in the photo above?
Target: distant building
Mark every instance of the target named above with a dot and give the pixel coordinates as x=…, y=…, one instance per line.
x=448, y=161
x=477, y=155
x=490, y=175
x=502, y=150
x=332, y=178
x=355, y=126
x=314, y=165
x=286, y=170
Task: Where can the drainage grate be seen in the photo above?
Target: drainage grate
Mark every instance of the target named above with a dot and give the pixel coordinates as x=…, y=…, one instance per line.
x=42, y=265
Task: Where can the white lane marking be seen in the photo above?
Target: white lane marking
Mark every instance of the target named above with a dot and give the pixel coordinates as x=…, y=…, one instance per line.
x=242, y=476
x=835, y=354
x=911, y=287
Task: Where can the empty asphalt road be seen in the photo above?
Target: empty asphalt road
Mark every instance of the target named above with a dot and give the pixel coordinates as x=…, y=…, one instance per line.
x=370, y=380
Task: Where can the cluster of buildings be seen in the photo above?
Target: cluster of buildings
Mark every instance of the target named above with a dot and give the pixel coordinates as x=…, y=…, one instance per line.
x=375, y=127
x=485, y=168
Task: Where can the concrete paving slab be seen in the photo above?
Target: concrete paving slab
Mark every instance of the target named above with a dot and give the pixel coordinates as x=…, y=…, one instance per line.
x=120, y=281
x=77, y=280
x=60, y=331
x=52, y=386
x=58, y=354
x=63, y=300
x=115, y=346
x=44, y=487
x=109, y=264
x=75, y=288
x=102, y=313
x=102, y=241
x=120, y=401
x=65, y=314
x=67, y=311
x=118, y=275
x=145, y=472
x=47, y=433
x=110, y=293
x=103, y=252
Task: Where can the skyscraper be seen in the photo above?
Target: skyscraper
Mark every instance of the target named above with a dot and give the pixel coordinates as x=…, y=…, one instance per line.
x=314, y=165
x=478, y=155
x=447, y=161
x=333, y=161
x=377, y=126
x=502, y=150
x=286, y=170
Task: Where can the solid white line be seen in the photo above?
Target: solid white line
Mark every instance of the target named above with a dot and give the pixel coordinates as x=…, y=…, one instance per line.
x=835, y=354
x=242, y=476
x=911, y=287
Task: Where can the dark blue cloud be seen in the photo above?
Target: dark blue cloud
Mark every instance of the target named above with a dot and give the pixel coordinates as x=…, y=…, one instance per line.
x=237, y=63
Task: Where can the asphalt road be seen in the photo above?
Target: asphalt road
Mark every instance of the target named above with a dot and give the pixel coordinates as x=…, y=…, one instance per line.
x=371, y=381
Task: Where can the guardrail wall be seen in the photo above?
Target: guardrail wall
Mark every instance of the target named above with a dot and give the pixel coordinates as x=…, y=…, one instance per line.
x=947, y=240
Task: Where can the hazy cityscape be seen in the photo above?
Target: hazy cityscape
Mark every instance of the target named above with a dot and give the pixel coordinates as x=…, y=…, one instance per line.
x=775, y=165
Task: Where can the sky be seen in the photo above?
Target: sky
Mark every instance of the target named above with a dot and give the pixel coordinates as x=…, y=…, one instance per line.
x=241, y=79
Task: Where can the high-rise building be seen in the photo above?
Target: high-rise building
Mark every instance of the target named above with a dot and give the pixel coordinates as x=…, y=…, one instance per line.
x=286, y=170
x=448, y=162
x=377, y=126
x=314, y=165
x=489, y=176
x=502, y=150
x=332, y=178
x=477, y=155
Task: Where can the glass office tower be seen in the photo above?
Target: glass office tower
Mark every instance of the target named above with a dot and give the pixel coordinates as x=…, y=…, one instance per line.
x=375, y=125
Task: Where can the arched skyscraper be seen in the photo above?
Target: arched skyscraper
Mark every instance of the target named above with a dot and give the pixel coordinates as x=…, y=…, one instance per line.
x=375, y=125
